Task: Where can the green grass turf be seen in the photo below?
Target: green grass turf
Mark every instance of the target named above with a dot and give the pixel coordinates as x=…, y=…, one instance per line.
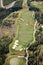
x=14, y=60
x=25, y=31
x=25, y=25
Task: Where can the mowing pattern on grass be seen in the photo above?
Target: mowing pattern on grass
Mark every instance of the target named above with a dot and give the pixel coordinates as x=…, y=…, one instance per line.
x=25, y=30
x=25, y=23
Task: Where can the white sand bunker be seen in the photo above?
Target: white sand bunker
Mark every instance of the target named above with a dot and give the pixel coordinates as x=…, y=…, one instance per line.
x=15, y=44
x=21, y=49
x=27, y=24
x=42, y=26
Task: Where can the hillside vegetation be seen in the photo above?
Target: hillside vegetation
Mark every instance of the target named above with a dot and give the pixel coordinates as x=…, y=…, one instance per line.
x=21, y=33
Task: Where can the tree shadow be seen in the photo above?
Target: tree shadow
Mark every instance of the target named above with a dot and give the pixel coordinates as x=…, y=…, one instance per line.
x=31, y=8
x=4, y=13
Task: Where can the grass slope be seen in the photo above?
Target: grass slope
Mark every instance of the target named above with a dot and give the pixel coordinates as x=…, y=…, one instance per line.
x=14, y=60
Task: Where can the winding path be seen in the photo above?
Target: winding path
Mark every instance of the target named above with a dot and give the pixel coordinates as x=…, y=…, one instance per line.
x=31, y=43
x=6, y=6
x=11, y=5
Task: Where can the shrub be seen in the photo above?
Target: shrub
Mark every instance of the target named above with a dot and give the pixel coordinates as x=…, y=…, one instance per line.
x=4, y=44
x=34, y=9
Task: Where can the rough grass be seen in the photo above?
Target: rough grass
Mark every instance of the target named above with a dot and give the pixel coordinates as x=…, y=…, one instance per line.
x=6, y=30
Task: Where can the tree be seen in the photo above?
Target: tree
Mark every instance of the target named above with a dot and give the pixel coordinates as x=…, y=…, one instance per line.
x=28, y=2
x=33, y=58
x=1, y=62
x=4, y=44
x=41, y=19
x=4, y=48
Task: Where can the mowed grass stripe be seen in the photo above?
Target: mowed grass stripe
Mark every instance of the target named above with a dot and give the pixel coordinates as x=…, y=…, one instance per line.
x=26, y=28
x=25, y=25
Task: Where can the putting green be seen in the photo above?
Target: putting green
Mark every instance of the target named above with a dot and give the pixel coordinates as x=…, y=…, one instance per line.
x=14, y=60
x=17, y=61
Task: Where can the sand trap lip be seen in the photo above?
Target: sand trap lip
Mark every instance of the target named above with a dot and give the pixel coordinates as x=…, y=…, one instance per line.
x=16, y=45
